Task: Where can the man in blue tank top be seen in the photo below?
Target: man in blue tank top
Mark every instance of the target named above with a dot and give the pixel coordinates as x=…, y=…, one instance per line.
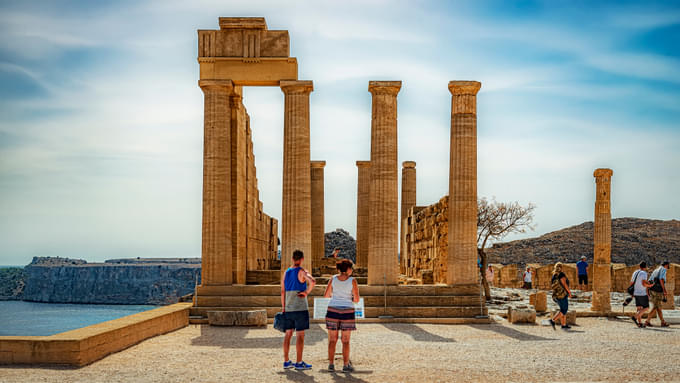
x=296, y=284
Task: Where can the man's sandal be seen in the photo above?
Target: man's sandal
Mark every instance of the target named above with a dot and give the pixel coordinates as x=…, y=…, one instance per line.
x=665, y=324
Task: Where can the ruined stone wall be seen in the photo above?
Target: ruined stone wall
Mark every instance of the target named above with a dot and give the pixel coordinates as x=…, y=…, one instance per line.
x=426, y=241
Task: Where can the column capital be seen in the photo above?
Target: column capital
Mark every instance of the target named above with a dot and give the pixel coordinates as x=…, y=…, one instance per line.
x=318, y=164
x=363, y=164
x=226, y=85
x=384, y=87
x=603, y=172
x=464, y=87
x=408, y=164
x=296, y=86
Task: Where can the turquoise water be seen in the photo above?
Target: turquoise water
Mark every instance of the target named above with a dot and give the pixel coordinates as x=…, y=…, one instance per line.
x=41, y=319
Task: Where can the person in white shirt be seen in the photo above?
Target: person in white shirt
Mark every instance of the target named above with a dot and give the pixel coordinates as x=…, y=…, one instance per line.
x=528, y=278
x=640, y=283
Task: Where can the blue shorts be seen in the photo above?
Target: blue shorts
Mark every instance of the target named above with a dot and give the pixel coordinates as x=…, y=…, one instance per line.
x=564, y=305
x=297, y=320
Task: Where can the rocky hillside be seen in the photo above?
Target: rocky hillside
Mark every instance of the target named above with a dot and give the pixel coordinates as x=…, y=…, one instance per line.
x=11, y=283
x=633, y=240
x=342, y=240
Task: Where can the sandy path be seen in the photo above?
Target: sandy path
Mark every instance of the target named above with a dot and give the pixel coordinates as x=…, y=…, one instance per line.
x=597, y=350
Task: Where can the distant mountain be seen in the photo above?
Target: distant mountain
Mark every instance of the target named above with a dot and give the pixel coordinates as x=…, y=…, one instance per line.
x=633, y=240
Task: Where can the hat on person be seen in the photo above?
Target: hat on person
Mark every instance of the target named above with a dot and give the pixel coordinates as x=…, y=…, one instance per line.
x=583, y=257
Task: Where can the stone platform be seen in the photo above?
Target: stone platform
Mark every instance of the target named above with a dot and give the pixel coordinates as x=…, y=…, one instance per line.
x=422, y=301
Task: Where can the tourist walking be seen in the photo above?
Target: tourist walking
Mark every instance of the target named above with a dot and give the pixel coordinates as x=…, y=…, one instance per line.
x=296, y=284
x=343, y=291
x=561, y=295
x=658, y=293
x=528, y=277
x=640, y=285
x=582, y=267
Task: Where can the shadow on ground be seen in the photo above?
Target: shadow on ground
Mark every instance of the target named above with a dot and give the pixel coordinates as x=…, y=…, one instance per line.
x=247, y=337
x=303, y=376
x=513, y=333
x=418, y=334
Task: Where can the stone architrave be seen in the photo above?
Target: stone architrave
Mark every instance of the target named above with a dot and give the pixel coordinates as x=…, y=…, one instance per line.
x=462, y=236
x=408, y=200
x=318, y=240
x=383, y=242
x=602, y=238
x=216, y=249
x=296, y=217
x=363, y=186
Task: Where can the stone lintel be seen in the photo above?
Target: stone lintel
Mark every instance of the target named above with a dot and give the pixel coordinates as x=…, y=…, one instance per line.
x=318, y=164
x=296, y=86
x=243, y=23
x=409, y=164
x=226, y=84
x=603, y=172
x=263, y=71
x=384, y=87
x=363, y=164
x=464, y=87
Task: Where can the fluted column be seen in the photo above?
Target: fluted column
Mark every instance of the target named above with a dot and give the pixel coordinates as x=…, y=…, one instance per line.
x=238, y=186
x=462, y=257
x=318, y=240
x=602, y=238
x=363, y=186
x=296, y=218
x=408, y=199
x=216, y=247
x=383, y=242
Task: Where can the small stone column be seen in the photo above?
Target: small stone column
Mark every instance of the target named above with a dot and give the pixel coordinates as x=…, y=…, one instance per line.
x=462, y=257
x=383, y=242
x=408, y=200
x=363, y=186
x=296, y=217
x=216, y=248
x=318, y=239
x=602, y=236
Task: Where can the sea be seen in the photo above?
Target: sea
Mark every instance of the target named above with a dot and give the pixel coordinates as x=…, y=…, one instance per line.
x=19, y=318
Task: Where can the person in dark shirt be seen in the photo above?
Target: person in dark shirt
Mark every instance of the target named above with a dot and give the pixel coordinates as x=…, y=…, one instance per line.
x=561, y=295
x=582, y=267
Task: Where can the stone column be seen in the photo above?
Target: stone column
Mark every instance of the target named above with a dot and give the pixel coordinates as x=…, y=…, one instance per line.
x=462, y=257
x=602, y=238
x=238, y=186
x=216, y=248
x=363, y=186
x=296, y=217
x=408, y=199
x=383, y=239
x=318, y=240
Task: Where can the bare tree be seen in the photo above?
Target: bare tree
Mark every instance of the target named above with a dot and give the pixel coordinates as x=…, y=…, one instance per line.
x=495, y=220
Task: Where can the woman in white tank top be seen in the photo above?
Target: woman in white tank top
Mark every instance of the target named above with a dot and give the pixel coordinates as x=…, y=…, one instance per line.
x=343, y=291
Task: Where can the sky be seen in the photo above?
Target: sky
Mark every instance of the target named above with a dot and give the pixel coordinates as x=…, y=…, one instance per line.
x=101, y=122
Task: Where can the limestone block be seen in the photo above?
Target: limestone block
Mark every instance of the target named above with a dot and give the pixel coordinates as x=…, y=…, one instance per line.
x=427, y=276
x=238, y=318
x=571, y=317
x=521, y=314
x=539, y=300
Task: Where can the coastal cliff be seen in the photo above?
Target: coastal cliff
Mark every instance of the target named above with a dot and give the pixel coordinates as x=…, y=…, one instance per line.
x=128, y=281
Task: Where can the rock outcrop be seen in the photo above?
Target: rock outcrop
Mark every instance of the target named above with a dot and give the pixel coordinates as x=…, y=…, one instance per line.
x=633, y=240
x=62, y=280
x=11, y=283
x=342, y=240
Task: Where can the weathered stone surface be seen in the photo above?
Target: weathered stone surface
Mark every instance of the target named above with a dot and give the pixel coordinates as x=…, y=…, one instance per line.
x=317, y=185
x=462, y=236
x=383, y=243
x=363, y=202
x=539, y=300
x=408, y=200
x=296, y=215
x=238, y=318
x=571, y=317
x=602, y=235
x=520, y=314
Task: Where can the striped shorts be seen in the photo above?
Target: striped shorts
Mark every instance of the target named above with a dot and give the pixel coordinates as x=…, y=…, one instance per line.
x=340, y=319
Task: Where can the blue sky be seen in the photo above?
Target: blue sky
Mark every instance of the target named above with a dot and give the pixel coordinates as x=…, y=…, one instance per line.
x=101, y=115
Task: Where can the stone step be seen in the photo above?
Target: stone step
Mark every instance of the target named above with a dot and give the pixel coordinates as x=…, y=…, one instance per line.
x=371, y=312
x=369, y=301
x=364, y=290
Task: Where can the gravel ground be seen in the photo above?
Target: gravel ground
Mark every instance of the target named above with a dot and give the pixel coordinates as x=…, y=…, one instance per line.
x=598, y=349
